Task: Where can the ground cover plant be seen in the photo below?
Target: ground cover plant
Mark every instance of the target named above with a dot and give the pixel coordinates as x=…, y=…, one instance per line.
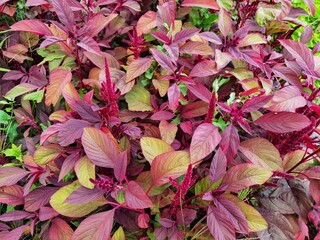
x=142, y=119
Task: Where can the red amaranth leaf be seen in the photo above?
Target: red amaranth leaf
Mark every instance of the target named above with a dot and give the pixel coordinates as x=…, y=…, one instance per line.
x=283, y=122
x=211, y=4
x=146, y=22
x=204, y=140
x=60, y=230
x=138, y=67
x=99, y=147
x=219, y=224
x=300, y=52
x=64, y=12
x=97, y=226
x=12, y=195
x=218, y=166
x=11, y=175
x=34, y=26
x=163, y=60
x=135, y=197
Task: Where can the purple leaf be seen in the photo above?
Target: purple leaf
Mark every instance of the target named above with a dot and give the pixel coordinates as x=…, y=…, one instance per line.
x=84, y=195
x=68, y=164
x=15, y=215
x=162, y=115
x=283, y=122
x=173, y=51
x=200, y=91
x=313, y=74
x=96, y=24
x=230, y=142
x=173, y=96
x=186, y=216
x=234, y=214
x=255, y=103
x=38, y=198
x=46, y=213
x=11, y=175
x=16, y=233
x=64, y=12
x=204, y=68
x=97, y=226
x=32, y=3
x=211, y=4
x=13, y=75
x=300, y=52
x=46, y=134
x=135, y=197
x=163, y=60
x=218, y=166
x=71, y=131
x=219, y=224
x=288, y=75
x=211, y=37
x=90, y=45
x=100, y=147
x=287, y=99
x=161, y=37
x=306, y=35
x=85, y=111
x=120, y=166
x=204, y=140
x=34, y=26
x=12, y=195
x=185, y=34
x=51, y=40
x=60, y=230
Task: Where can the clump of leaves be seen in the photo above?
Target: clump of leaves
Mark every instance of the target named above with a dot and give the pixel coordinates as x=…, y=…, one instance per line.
x=191, y=120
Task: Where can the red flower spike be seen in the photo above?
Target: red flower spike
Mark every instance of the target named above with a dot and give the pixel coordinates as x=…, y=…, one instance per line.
x=211, y=110
x=183, y=187
x=107, y=92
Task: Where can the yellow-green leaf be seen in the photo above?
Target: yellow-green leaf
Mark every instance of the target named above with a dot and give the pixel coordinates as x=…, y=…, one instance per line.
x=293, y=158
x=138, y=99
x=48, y=153
x=244, y=175
x=255, y=221
x=153, y=147
x=119, y=234
x=252, y=39
x=71, y=210
x=262, y=152
x=85, y=170
x=19, y=90
x=171, y=164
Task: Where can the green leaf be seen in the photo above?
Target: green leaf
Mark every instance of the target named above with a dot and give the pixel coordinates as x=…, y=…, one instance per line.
x=4, y=117
x=138, y=99
x=57, y=202
x=19, y=90
x=4, y=70
x=14, y=151
x=35, y=96
x=48, y=153
x=85, y=170
x=57, y=54
x=153, y=147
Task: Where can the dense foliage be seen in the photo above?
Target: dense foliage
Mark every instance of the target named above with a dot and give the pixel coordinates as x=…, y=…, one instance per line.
x=142, y=119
